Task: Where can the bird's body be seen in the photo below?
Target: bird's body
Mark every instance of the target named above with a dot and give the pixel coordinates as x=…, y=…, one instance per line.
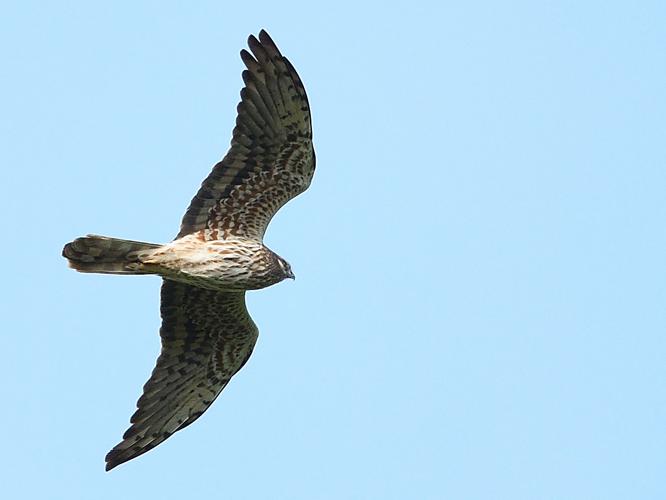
x=232, y=264
x=207, y=333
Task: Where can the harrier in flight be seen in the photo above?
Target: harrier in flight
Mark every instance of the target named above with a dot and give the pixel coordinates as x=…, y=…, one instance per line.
x=207, y=334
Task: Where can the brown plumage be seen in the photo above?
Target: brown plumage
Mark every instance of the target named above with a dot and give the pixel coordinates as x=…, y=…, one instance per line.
x=207, y=333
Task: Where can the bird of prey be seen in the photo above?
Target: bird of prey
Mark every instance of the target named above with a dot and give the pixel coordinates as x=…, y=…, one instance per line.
x=207, y=334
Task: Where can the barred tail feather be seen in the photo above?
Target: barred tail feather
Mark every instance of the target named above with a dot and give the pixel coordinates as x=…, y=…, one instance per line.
x=101, y=254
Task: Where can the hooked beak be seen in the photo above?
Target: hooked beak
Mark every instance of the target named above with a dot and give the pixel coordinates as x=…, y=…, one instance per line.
x=291, y=275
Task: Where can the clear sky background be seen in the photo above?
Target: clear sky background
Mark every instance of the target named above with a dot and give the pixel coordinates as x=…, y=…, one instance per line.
x=479, y=310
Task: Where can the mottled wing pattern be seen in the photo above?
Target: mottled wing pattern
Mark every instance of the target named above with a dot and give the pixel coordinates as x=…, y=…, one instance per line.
x=271, y=159
x=207, y=336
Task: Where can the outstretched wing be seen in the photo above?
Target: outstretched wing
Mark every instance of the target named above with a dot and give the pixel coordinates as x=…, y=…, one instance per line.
x=271, y=159
x=207, y=336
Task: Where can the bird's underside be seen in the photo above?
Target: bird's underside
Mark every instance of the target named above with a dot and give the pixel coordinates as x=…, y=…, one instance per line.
x=207, y=334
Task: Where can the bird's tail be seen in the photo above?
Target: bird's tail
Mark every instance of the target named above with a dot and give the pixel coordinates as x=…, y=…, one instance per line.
x=100, y=254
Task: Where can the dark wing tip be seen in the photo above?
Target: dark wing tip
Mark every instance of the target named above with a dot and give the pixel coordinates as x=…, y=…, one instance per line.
x=247, y=58
x=252, y=42
x=119, y=454
x=116, y=457
x=266, y=39
x=112, y=461
x=264, y=48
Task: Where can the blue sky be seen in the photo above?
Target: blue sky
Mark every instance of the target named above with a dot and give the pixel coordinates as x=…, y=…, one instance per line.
x=479, y=304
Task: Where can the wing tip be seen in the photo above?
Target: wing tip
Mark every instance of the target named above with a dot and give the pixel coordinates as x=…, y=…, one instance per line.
x=113, y=460
x=264, y=46
x=252, y=42
x=118, y=455
x=121, y=454
x=266, y=39
x=247, y=58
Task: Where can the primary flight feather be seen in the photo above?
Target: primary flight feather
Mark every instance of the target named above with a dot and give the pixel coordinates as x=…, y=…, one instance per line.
x=207, y=333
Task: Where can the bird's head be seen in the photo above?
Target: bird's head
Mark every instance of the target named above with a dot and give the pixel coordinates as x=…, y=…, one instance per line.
x=285, y=268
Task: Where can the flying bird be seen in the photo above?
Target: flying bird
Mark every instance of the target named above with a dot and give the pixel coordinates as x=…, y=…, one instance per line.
x=207, y=333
